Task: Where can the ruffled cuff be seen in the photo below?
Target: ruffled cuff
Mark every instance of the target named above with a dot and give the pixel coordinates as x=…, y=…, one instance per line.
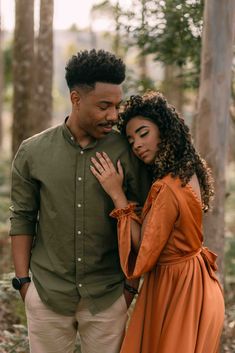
x=125, y=212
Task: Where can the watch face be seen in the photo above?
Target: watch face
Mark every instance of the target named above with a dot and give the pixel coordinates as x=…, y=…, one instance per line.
x=16, y=283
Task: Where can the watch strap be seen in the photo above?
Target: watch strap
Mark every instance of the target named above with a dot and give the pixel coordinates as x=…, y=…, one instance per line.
x=24, y=280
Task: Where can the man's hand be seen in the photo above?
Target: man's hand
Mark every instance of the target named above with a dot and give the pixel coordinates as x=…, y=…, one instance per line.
x=129, y=296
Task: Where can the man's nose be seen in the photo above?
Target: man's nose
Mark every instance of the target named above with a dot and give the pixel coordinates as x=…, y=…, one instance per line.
x=112, y=115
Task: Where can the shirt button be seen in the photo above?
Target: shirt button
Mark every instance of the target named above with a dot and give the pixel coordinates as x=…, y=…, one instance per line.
x=79, y=178
x=80, y=285
x=72, y=138
x=79, y=232
x=79, y=259
x=81, y=152
x=79, y=205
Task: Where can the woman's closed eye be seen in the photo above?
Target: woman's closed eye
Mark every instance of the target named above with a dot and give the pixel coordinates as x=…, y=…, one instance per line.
x=144, y=134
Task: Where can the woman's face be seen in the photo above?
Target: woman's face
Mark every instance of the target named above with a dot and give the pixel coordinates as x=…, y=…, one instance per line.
x=144, y=137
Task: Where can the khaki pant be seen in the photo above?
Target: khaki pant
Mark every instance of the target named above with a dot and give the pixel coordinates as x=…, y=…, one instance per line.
x=50, y=332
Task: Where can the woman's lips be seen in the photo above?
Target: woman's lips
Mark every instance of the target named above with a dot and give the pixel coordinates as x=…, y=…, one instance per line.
x=143, y=154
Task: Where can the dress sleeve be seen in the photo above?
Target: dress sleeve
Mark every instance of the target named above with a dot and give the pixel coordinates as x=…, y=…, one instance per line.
x=158, y=222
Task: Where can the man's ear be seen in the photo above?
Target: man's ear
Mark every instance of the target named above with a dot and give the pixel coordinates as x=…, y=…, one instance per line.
x=75, y=98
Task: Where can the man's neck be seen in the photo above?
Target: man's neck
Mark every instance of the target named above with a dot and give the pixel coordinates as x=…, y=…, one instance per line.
x=81, y=137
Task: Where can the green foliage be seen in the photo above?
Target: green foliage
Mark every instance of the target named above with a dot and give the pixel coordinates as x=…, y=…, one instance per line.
x=113, y=11
x=171, y=30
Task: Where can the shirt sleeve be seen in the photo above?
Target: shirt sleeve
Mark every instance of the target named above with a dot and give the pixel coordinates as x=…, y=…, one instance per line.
x=157, y=226
x=24, y=196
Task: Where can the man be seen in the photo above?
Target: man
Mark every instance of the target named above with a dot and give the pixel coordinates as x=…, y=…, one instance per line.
x=60, y=224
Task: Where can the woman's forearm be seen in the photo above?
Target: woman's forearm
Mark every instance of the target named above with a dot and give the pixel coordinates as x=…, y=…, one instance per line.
x=120, y=201
x=135, y=235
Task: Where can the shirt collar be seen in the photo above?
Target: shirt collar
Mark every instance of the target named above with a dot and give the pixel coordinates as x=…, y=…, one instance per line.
x=71, y=139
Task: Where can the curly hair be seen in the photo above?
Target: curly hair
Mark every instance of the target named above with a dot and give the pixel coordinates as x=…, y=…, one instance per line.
x=88, y=67
x=176, y=154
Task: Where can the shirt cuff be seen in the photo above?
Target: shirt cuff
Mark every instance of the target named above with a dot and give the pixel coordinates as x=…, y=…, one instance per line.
x=22, y=228
x=125, y=212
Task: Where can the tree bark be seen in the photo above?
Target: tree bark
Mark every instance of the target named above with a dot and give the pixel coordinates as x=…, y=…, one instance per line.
x=23, y=61
x=42, y=116
x=213, y=109
x=1, y=83
x=173, y=86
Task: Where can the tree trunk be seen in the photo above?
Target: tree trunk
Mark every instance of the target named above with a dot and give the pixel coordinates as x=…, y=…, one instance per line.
x=42, y=116
x=213, y=109
x=1, y=84
x=142, y=60
x=173, y=86
x=23, y=57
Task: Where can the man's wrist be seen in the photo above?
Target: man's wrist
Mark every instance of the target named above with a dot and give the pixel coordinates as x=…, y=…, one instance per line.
x=130, y=289
x=18, y=282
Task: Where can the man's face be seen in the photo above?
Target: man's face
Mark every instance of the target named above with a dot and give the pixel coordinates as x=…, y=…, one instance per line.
x=97, y=109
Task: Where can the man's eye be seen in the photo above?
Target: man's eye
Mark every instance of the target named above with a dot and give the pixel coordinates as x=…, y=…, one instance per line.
x=103, y=108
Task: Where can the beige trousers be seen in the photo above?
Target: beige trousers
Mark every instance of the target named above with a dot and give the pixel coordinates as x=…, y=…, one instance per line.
x=50, y=332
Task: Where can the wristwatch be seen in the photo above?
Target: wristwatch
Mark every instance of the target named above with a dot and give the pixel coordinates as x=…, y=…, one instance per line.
x=17, y=283
x=130, y=289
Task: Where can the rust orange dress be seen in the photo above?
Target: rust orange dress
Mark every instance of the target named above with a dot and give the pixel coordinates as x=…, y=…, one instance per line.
x=180, y=308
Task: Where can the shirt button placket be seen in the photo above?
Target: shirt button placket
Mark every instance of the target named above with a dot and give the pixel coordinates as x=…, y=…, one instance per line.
x=79, y=218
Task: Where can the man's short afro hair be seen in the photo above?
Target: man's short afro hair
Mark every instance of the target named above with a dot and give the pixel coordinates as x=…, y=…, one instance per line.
x=89, y=67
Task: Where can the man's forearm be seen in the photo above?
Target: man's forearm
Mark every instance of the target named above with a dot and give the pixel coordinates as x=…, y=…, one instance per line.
x=21, y=252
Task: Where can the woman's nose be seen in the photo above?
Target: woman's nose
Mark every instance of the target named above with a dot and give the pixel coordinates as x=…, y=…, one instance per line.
x=137, y=144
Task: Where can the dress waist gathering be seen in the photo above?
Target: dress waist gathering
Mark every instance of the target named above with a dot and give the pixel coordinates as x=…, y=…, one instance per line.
x=208, y=256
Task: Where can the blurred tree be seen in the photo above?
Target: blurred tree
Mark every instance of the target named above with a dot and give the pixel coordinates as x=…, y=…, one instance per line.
x=213, y=108
x=172, y=33
x=7, y=63
x=120, y=42
x=23, y=70
x=93, y=37
x=115, y=13
x=173, y=85
x=42, y=98
x=232, y=120
x=1, y=81
x=144, y=82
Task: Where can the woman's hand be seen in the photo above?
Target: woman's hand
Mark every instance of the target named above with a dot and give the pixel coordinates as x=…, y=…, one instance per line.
x=110, y=179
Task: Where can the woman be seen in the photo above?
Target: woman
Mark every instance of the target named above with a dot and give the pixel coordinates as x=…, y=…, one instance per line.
x=180, y=308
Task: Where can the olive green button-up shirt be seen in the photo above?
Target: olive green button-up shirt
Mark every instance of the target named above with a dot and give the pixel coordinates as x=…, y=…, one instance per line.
x=56, y=198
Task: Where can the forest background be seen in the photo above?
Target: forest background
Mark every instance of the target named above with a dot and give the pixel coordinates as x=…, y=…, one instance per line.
x=183, y=48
